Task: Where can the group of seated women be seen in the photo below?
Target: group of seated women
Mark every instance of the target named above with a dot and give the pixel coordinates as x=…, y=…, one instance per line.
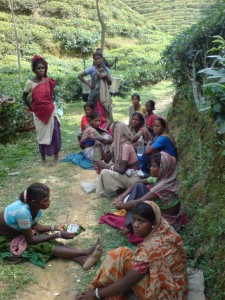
x=157, y=270
x=150, y=196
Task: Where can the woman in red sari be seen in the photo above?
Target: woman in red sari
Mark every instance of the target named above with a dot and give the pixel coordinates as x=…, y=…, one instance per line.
x=45, y=115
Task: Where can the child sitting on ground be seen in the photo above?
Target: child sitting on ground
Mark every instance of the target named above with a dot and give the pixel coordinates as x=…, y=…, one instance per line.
x=150, y=116
x=92, y=134
x=135, y=106
x=85, y=120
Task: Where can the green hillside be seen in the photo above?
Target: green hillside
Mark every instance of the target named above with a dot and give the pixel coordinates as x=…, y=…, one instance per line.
x=172, y=16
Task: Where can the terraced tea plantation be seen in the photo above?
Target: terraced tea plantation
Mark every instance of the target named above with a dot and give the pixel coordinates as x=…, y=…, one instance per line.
x=172, y=16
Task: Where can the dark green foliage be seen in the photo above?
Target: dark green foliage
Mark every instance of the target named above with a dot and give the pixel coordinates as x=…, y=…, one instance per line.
x=80, y=41
x=202, y=191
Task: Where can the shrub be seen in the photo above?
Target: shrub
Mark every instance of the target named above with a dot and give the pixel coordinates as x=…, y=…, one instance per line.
x=72, y=39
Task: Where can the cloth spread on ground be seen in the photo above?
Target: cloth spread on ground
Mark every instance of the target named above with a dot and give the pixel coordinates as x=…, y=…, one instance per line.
x=36, y=254
x=18, y=245
x=162, y=250
x=79, y=159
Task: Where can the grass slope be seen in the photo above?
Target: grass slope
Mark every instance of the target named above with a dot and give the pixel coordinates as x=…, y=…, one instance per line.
x=172, y=16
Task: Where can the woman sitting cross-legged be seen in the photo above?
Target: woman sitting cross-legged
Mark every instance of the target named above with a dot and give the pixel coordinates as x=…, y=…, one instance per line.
x=120, y=173
x=22, y=238
x=92, y=134
x=165, y=192
x=156, y=270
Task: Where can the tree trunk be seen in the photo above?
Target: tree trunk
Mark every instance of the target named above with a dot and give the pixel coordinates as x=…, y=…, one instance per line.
x=103, y=27
x=16, y=38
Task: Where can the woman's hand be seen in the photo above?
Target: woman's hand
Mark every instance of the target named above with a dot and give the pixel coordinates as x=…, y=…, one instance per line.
x=88, y=295
x=59, y=227
x=118, y=200
x=128, y=206
x=101, y=165
x=67, y=235
x=102, y=75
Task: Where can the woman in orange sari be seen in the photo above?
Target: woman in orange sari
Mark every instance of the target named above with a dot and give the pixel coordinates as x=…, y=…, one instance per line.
x=156, y=271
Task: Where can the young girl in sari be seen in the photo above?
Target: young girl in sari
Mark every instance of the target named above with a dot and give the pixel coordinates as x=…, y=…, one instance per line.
x=138, y=129
x=155, y=271
x=92, y=134
x=99, y=96
x=150, y=117
x=22, y=238
x=135, y=106
x=45, y=116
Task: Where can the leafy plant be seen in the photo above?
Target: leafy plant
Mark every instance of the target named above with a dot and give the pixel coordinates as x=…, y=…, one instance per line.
x=214, y=90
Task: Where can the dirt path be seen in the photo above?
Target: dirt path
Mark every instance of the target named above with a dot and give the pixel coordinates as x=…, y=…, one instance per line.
x=56, y=281
x=59, y=280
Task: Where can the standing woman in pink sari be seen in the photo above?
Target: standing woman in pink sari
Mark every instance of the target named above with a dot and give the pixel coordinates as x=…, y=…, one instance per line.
x=44, y=111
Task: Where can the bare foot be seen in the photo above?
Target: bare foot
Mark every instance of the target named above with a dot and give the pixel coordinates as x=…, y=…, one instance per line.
x=53, y=163
x=91, y=259
x=91, y=250
x=43, y=162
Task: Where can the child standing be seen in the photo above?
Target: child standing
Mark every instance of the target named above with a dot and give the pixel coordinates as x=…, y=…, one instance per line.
x=45, y=116
x=135, y=106
x=150, y=116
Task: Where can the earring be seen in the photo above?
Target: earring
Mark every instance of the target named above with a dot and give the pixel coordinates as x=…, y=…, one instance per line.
x=153, y=226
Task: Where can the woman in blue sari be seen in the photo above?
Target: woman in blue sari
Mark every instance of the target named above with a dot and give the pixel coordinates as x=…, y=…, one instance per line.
x=163, y=141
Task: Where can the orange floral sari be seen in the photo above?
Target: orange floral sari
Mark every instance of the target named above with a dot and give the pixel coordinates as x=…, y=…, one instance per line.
x=163, y=254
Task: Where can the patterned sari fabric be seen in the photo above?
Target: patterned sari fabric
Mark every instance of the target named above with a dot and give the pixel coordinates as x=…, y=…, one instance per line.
x=92, y=134
x=167, y=186
x=36, y=254
x=100, y=93
x=167, y=190
x=121, y=136
x=160, y=257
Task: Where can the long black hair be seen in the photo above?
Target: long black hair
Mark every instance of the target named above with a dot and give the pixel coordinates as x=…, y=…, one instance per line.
x=36, y=191
x=140, y=118
x=157, y=158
